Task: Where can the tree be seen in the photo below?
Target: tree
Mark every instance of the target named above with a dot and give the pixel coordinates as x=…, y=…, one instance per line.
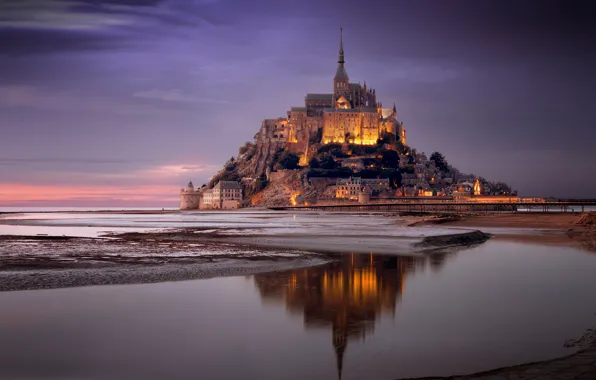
x=394, y=177
x=230, y=164
x=314, y=163
x=440, y=161
x=327, y=162
x=389, y=138
x=289, y=161
x=409, y=169
x=390, y=159
x=244, y=148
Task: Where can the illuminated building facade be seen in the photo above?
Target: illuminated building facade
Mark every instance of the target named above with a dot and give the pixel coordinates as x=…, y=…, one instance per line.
x=350, y=113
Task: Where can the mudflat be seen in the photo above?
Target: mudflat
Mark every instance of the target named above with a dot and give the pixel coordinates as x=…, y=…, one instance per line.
x=519, y=220
x=574, y=229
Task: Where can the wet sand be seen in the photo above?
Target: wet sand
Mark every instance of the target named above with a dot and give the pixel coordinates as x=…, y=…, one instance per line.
x=46, y=262
x=578, y=366
x=32, y=279
x=573, y=229
x=539, y=220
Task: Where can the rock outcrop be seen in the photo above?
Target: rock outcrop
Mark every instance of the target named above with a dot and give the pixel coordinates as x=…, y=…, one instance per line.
x=285, y=188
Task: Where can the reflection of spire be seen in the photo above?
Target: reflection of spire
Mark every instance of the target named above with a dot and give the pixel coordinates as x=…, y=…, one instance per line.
x=340, y=342
x=348, y=296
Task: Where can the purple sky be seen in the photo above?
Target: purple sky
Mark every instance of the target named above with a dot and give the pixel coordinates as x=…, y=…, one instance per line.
x=114, y=102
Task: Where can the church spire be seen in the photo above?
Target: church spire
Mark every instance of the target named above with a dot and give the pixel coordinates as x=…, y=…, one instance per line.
x=341, y=70
x=341, y=46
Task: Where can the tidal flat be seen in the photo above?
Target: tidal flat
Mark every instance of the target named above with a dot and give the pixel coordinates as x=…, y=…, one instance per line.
x=408, y=307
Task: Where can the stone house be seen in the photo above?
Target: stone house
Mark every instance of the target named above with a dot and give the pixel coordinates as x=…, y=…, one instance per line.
x=225, y=195
x=348, y=188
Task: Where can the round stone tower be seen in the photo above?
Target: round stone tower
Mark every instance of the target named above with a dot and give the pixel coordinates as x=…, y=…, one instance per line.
x=190, y=199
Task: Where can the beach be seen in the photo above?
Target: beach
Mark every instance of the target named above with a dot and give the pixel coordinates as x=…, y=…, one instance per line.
x=462, y=294
x=77, y=250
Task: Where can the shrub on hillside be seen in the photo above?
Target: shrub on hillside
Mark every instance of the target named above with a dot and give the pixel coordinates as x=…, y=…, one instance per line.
x=289, y=161
x=342, y=172
x=328, y=147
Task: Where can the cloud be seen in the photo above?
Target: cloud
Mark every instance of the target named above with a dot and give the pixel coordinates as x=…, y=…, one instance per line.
x=42, y=26
x=176, y=95
x=45, y=160
x=55, y=14
x=14, y=96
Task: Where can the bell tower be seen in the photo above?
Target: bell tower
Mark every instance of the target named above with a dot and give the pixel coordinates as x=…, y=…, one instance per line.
x=341, y=85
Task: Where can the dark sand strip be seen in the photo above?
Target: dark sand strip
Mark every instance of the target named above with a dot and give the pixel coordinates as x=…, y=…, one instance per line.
x=141, y=274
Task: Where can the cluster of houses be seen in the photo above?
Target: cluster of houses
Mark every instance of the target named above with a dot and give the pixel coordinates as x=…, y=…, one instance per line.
x=420, y=177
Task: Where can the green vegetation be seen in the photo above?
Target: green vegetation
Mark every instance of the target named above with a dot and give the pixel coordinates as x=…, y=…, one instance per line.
x=289, y=161
x=409, y=169
x=362, y=150
x=259, y=185
x=328, y=148
x=390, y=159
x=440, y=161
x=228, y=173
x=327, y=162
x=368, y=162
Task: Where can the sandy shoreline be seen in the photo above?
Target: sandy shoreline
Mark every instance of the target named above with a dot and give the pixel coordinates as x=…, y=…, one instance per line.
x=25, y=257
x=32, y=262
x=572, y=229
x=35, y=279
x=44, y=262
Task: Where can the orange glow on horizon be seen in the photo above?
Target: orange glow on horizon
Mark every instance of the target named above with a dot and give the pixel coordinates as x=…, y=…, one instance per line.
x=15, y=193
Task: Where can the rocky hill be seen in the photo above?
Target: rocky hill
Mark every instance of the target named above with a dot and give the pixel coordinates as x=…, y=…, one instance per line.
x=274, y=172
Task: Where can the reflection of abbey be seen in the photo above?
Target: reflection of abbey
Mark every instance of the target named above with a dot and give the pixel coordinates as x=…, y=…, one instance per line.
x=347, y=296
x=350, y=113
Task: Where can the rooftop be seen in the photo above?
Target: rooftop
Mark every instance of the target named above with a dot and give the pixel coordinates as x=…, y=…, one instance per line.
x=328, y=97
x=227, y=185
x=352, y=110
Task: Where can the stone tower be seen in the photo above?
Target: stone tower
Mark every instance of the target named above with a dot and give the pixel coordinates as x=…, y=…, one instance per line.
x=341, y=82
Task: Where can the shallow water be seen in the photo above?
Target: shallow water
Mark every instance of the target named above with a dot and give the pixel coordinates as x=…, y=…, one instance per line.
x=370, y=316
x=306, y=231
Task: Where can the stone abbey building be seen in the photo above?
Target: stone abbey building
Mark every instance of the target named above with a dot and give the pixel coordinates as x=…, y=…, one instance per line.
x=350, y=113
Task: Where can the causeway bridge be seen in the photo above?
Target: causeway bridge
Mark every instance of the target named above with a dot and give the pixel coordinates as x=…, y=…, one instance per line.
x=455, y=207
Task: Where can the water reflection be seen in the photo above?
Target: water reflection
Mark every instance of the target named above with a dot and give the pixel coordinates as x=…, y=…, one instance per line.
x=348, y=295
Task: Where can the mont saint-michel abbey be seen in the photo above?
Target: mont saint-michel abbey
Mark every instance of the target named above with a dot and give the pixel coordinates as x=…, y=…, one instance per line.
x=350, y=113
